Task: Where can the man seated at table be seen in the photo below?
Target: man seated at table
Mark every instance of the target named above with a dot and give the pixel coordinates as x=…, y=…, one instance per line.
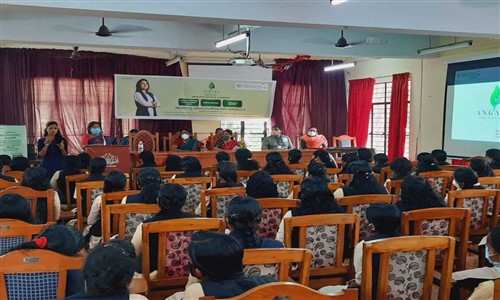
x=277, y=141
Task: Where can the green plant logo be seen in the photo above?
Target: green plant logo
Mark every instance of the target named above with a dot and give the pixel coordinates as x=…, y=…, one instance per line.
x=211, y=86
x=495, y=97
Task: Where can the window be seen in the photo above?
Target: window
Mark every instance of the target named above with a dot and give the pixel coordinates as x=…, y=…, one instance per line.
x=253, y=131
x=378, y=132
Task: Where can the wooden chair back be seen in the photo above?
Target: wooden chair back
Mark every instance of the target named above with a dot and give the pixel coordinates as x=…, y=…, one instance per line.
x=83, y=205
x=400, y=258
x=209, y=171
x=394, y=187
x=196, y=188
x=325, y=235
x=359, y=204
x=169, y=232
x=490, y=182
x=298, y=169
x=481, y=203
x=168, y=140
x=439, y=180
x=344, y=179
x=15, y=232
x=244, y=175
x=385, y=173
x=71, y=181
x=340, y=141
x=150, y=140
x=278, y=263
x=33, y=198
x=219, y=198
x=136, y=171
x=128, y=216
x=451, y=168
x=440, y=221
x=289, y=291
x=4, y=184
x=18, y=175
x=332, y=186
x=496, y=291
x=285, y=183
x=496, y=172
x=22, y=270
x=273, y=211
x=166, y=176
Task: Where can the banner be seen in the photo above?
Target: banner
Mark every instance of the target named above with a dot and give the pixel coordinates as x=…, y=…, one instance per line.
x=13, y=140
x=162, y=97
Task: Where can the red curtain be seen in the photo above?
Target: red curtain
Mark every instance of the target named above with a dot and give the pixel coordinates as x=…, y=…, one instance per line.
x=307, y=96
x=42, y=85
x=360, y=105
x=398, y=115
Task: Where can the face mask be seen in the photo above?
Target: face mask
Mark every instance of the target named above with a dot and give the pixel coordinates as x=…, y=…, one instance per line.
x=226, y=137
x=311, y=133
x=456, y=185
x=488, y=257
x=95, y=130
x=184, y=136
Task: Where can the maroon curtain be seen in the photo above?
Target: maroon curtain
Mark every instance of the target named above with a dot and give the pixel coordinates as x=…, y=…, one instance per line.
x=42, y=85
x=307, y=96
x=360, y=105
x=398, y=115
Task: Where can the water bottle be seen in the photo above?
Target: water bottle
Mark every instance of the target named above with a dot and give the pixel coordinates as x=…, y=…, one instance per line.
x=140, y=147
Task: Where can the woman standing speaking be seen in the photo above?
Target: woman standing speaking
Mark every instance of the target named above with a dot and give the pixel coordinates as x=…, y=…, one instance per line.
x=52, y=148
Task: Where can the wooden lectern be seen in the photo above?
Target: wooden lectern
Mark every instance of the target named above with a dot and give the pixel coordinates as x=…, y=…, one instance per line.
x=117, y=157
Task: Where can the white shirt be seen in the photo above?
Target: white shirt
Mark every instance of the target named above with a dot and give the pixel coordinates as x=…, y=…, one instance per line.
x=140, y=99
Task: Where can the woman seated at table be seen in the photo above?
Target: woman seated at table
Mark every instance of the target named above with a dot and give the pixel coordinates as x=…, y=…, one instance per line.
x=96, y=136
x=227, y=141
x=186, y=142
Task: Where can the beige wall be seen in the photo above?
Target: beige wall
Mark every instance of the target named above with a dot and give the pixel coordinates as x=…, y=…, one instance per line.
x=203, y=128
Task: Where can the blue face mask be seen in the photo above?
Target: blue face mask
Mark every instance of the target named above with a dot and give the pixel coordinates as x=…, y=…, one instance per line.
x=488, y=257
x=95, y=130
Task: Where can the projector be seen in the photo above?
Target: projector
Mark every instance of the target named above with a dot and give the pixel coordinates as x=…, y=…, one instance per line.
x=242, y=62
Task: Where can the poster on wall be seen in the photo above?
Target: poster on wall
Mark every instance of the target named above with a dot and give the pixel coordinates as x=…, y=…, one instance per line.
x=163, y=97
x=13, y=140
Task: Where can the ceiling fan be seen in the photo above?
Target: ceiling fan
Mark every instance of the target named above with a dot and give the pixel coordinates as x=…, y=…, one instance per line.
x=343, y=43
x=104, y=31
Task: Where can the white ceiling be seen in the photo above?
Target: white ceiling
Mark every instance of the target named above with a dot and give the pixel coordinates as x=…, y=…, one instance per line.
x=279, y=28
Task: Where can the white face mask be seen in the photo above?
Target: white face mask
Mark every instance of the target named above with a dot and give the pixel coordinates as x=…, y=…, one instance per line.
x=312, y=133
x=184, y=136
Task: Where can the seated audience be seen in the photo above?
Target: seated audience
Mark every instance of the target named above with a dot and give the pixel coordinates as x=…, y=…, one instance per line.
x=108, y=273
x=243, y=215
x=362, y=181
x=96, y=169
x=277, y=140
x=149, y=181
x=466, y=179
x=417, y=193
x=346, y=160
x=171, y=199
x=216, y=267
x=186, y=142
x=36, y=179
x=440, y=156
x=173, y=163
x=317, y=170
x=244, y=160
x=261, y=185
x=5, y=177
x=227, y=175
x=365, y=154
x=14, y=206
x=426, y=163
x=381, y=161
x=315, y=199
x=126, y=139
x=19, y=163
x=227, y=141
x=222, y=156
x=147, y=159
x=479, y=165
x=5, y=159
x=323, y=156
x=72, y=166
x=276, y=165
x=294, y=156
x=313, y=140
x=84, y=160
x=191, y=166
x=492, y=157
x=66, y=240
x=401, y=168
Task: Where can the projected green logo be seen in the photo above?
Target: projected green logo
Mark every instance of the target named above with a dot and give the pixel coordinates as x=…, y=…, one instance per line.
x=495, y=97
x=211, y=86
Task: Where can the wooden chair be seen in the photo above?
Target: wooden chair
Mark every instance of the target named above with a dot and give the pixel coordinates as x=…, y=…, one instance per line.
x=490, y=182
x=298, y=169
x=4, y=184
x=451, y=168
x=33, y=198
x=136, y=171
x=440, y=180
x=177, y=231
x=18, y=175
x=196, y=188
x=71, y=181
x=289, y=290
x=219, y=198
x=209, y=171
x=344, y=141
x=452, y=222
x=168, y=140
x=332, y=174
x=244, y=175
x=394, y=187
x=332, y=186
x=23, y=270
x=273, y=211
x=325, y=236
x=129, y=216
x=166, y=176
x=359, y=204
x=285, y=183
x=150, y=140
x=277, y=263
x=481, y=203
x=385, y=173
x=83, y=205
x=344, y=179
x=15, y=232
x=496, y=292
x=496, y=172
x=403, y=263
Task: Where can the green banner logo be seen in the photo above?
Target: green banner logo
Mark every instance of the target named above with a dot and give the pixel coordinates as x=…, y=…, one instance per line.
x=211, y=86
x=495, y=97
